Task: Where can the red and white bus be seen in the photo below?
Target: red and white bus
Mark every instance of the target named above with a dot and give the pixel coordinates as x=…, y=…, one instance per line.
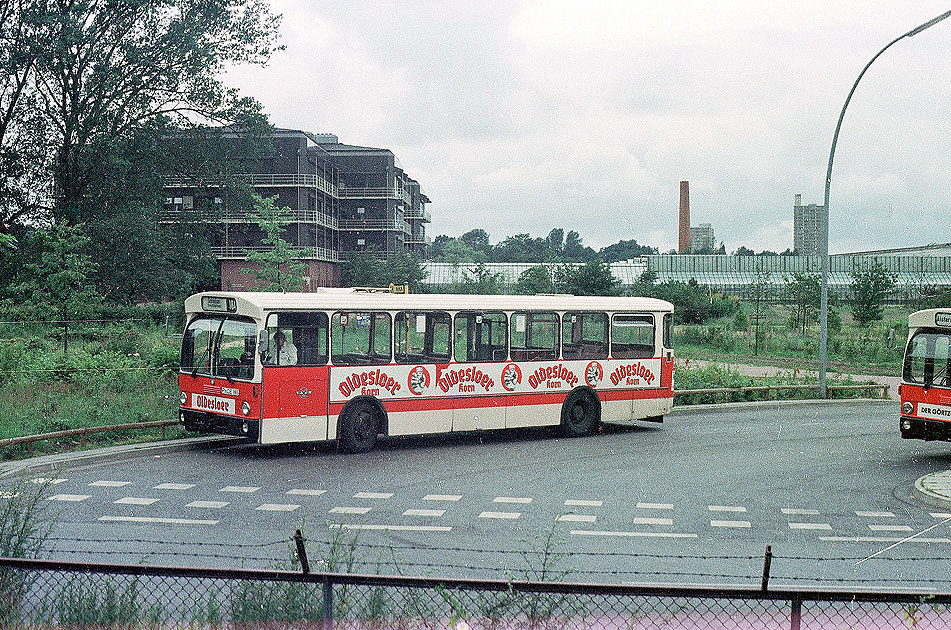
x=926, y=376
x=352, y=365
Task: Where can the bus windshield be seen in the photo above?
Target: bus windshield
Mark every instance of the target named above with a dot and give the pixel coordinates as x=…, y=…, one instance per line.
x=221, y=347
x=927, y=360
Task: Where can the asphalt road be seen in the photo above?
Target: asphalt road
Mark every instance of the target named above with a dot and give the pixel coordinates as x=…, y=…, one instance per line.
x=696, y=500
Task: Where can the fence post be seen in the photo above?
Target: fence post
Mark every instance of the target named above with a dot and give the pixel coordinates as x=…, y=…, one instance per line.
x=301, y=552
x=328, y=604
x=795, y=615
x=767, y=560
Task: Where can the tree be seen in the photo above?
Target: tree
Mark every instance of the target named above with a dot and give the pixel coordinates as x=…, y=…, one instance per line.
x=278, y=268
x=478, y=240
x=743, y=251
x=481, y=281
x=803, y=291
x=104, y=69
x=870, y=288
x=364, y=269
x=58, y=282
x=758, y=293
x=404, y=268
x=535, y=280
x=591, y=278
x=625, y=250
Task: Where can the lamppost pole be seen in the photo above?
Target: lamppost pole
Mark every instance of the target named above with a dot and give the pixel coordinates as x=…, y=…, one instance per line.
x=824, y=299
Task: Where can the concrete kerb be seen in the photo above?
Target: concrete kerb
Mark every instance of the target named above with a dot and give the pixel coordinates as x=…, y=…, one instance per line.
x=46, y=463
x=935, y=489
x=127, y=451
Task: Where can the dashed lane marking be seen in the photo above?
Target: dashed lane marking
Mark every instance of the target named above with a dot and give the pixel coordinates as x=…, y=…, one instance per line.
x=890, y=528
x=72, y=498
x=349, y=510
x=580, y=503
x=373, y=495
x=47, y=480
x=577, y=518
x=240, y=489
x=136, y=501
x=429, y=513
x=799, y=512
x=174, y=486
x=654, y=506
x=501, y=515
x=726, y=508
x=884, y=539
x=160, y=521
x=211, y=505
x=276, y=507
x=589, y=532
x=822, y=526
x=874, y=514
x=442, y=497
x=305, y=492
x=940, y=515
x=640, y=520
x=392, y=528
x=521, y=500
x=737, y=524
x=102, y=483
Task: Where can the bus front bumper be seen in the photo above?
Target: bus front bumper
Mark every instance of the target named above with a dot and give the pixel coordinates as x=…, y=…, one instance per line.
x=204, y=422
x=919, y=429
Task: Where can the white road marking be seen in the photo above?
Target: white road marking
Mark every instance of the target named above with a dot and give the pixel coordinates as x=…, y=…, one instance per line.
x=890, y=528
x=503, y=515
x=242, y=489
x=174, y=486
x=305, y=492
x=43, y=480
x=350, y=510
x=823, y=526
x=373, y=495
x=940, y=515
x=277, y=507
x=874, y=514
x=579, y=503
x=654, y=506
x=212, y=505
x=639, y=520
x=726, y=508
x=588, y=532
x=431, y=513
x=162, y=521
x=442, y=497
x=522, y=500
x=393, y=528
x=109, y=484
x=576, y=518
x=136, y=501
x=730, y=524
x=883, y=539
x=74, y=498
x=800, y=512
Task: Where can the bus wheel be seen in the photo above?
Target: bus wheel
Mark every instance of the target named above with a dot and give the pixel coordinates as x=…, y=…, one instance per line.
x=580, y=414
x=359, y=427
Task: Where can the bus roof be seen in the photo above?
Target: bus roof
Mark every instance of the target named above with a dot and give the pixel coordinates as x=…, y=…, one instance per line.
x=930, y=318
x=258, y=304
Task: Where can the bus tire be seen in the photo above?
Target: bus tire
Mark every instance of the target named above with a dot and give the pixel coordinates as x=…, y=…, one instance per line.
x=581, y=413
x=359, y=426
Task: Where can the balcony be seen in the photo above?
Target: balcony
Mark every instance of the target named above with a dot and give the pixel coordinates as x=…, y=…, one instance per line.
x=347, y=192
x=263, y=180
x=374, y=225
x=302, y=253
x=418, y=214
x=418, y=239
x=174, y=215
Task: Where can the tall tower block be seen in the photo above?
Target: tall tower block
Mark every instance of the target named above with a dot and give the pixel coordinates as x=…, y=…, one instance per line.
x=683, y=243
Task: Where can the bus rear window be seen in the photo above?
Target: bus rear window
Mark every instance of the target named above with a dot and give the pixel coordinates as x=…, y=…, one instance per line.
x=632, y=336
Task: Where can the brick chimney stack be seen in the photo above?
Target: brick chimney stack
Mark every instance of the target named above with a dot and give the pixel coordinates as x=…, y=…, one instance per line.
x=683, y=243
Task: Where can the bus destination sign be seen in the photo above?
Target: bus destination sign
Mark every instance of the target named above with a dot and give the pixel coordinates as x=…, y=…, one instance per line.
x=219, y=304
x=942, y=319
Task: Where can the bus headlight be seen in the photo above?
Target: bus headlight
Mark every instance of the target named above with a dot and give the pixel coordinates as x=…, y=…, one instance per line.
x=183, y=398
x=907, y=407
x=245, y=408
x=244, y=427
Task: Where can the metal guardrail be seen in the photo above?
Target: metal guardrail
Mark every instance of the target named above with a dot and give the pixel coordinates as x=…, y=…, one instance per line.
x=85, y=431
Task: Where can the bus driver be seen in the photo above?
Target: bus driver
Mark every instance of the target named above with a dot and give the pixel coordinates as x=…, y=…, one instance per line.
x=286, y=352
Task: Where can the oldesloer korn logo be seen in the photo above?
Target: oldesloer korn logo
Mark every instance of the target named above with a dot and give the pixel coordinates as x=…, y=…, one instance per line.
x=511, y=376
x=418, y=380
x=593, y=374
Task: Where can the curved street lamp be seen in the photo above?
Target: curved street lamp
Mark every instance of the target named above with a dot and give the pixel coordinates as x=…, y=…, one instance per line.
x=824, y=299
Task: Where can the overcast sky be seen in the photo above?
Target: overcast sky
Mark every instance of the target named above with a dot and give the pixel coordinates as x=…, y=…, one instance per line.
x=522, y=116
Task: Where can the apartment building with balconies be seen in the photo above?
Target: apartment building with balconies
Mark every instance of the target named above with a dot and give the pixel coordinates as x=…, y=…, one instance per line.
x=342, y=199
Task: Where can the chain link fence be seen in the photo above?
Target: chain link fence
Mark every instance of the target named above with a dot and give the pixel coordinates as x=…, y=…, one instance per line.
x=42, y=593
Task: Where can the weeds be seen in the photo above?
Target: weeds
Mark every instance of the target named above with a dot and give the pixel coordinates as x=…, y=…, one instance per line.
x=25, y=524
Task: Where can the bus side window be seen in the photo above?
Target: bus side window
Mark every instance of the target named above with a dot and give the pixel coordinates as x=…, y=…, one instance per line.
x=360, y=338
x=481, y=337
x=534, y=336
x=585, y=336
x=632, y=336
x=422, y=337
